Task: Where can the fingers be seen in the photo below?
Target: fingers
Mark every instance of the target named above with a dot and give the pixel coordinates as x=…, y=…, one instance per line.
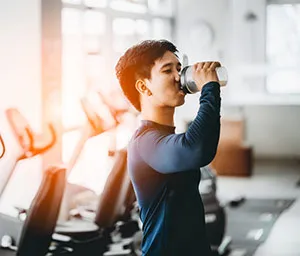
x=205, y=72
x=197, y=66
x=214, y=65
x=207, y=65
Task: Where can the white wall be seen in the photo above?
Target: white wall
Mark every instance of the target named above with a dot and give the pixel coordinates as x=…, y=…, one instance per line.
x=274, y=130
x=192, y=12
x=272, y=122
x=20, y=78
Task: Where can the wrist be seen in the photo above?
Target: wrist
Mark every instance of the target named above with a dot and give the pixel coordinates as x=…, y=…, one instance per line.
x=211, y=84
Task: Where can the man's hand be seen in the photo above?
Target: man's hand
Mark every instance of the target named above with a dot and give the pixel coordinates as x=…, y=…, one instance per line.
x=204, y=72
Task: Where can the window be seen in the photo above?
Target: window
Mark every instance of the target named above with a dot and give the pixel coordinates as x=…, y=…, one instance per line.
x=95, y=3
x=128, y=31
x=95, y=33
x=161, y=7
x=93, y=165
x=94, y=23
x=162, y=29
x=72, y=1
x=137, y=6
x=283, y=48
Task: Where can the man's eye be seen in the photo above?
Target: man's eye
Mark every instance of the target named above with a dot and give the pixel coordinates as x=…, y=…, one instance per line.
x=167, y=71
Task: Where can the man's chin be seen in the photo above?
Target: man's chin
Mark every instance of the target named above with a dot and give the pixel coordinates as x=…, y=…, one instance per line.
x=181, y=102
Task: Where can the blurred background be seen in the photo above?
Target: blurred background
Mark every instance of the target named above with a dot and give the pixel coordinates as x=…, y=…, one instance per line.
x=54, y=52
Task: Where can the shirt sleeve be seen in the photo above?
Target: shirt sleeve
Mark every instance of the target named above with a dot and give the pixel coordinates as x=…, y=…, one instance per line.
x=170, y=153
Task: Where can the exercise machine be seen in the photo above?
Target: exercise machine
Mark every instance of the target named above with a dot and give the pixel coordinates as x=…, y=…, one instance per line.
x=35, y=144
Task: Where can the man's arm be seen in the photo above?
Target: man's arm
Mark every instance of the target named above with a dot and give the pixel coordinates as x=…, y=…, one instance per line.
x=190, y=150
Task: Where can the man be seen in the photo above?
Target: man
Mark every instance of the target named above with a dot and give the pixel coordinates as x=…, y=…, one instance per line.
x=165, y=167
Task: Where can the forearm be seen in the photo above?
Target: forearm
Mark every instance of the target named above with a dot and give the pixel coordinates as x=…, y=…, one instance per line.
x=203, y=134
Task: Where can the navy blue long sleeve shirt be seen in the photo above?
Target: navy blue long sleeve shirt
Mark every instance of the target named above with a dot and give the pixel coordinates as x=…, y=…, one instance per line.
x=165, y=171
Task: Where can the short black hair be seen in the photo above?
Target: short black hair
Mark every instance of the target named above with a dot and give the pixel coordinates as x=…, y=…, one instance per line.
x=136, y=63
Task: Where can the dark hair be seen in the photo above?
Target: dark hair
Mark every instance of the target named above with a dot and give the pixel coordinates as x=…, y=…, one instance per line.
x=137, y=63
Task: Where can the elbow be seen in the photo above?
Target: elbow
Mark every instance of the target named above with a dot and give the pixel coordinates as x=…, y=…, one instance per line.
x=208, y=159
x=203, y=157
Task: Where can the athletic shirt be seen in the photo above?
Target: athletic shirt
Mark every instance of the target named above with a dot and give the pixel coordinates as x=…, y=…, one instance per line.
x=164, y=168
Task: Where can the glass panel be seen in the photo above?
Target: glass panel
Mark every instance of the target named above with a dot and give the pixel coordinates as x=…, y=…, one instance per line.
x=69, y=141
x=162, y=29
x=95, y=66
x=142, y=29
x=92, y=44
x=161, y=7
x=283, y=48
x=96, y=71
x=124, y=30
x=72, y=114
x=72, y=1
x=93, y=165
x=71, y=21
x=137, y=6
x=94, y=23
x=73, y=81
x=128, y=32
x=123, y=26
x=95, y=3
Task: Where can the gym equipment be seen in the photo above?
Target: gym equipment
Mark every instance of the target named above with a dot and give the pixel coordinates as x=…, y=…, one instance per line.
x=215, y=214
x=32, y=143
x=43, y=212
x=94, y=239
x=97, y=124
x=115, y=203
x=36, y=234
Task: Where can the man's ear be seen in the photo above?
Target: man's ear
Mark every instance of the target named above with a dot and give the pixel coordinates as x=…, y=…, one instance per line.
x=140, y=85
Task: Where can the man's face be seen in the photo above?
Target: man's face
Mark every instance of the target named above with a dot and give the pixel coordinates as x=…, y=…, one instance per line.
x=164, y=83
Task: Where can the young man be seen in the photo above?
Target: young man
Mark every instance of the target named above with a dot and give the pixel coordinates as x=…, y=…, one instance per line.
x=165, y=167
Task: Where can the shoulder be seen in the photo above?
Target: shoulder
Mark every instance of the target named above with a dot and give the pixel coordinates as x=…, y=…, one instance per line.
x=143, y=136
x=143, y=130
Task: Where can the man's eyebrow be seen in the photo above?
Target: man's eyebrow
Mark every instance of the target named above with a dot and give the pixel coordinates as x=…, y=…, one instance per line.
x=170, y=64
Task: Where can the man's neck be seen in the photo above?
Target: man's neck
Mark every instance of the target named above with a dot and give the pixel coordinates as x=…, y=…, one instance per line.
x=164, y=116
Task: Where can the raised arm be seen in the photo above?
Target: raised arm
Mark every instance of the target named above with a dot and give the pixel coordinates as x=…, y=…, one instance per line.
x=169, y=153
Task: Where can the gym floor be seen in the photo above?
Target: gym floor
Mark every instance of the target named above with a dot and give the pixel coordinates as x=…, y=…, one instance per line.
x=271, y=179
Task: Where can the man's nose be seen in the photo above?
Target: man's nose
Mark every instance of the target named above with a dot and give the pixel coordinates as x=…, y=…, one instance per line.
x=177, y=76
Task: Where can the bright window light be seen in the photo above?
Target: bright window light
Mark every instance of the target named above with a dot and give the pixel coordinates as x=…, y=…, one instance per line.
x=137, y=6
x=94, y=23
x=95, y=3
x=283, y=48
